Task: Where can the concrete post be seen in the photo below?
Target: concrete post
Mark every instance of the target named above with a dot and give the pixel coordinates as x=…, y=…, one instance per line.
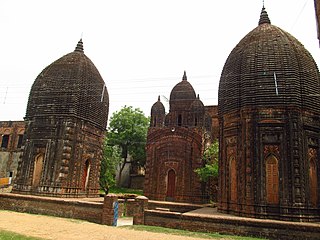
x=110, y=212
x=138, y=216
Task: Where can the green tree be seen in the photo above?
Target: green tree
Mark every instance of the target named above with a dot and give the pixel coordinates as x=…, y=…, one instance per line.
x=210, y=162
x=128, y=130
x=111, y=159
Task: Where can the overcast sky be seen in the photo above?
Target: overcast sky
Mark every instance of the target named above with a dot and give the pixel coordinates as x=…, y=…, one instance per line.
x=140, y=47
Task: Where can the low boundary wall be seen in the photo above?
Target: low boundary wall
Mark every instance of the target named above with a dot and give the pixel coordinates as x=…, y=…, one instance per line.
x=60, y=207
x=93, y=210
x=175, y=206
x=102, y=212
x=225, y=224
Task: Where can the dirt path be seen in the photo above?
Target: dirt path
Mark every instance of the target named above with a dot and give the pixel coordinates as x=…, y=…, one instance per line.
x=61, y=228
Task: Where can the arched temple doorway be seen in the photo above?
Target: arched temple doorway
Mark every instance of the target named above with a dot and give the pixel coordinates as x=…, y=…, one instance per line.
x=37, y=170
x=85, y=175
x=272, y=180
x=171, y=185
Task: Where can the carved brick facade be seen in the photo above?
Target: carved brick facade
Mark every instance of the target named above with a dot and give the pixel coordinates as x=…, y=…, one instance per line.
x=269, y=112
x=65, y=127
x=175, y=144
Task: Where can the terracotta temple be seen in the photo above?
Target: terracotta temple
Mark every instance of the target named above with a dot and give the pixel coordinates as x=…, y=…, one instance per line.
x=175, y=144
x=66, y=120
x=269, y=109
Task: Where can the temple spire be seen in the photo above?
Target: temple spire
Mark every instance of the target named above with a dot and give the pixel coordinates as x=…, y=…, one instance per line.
x=184, y=76
x=79, y=47
x=264, y=18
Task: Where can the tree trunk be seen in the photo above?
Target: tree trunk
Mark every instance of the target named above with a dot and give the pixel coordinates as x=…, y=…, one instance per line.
x=120, y=172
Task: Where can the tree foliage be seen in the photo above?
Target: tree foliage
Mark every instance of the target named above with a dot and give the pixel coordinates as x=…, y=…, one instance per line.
x=210, y=161
x=111, y=159
x=128, y=130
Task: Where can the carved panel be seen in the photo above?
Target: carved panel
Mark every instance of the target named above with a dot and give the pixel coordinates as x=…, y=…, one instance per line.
x=273, y=149
x=231, y=140
x=312, y=141
x=233, y=178
x=313, y=178
x=270, y=138
x=312, y=153
x=171, y=164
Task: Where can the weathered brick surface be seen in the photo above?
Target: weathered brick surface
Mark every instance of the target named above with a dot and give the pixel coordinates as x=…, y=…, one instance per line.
x=141, y=207
x=108, y=212
x=66, y=121
x=173, y=206
x=212, y=111
x=270, y=229
x=163, y=219
x=130, y=207
x=98, y=210
x=10, y=155
x=69, y=208
x=136, y=181
x=175, y=144
x=269, y=128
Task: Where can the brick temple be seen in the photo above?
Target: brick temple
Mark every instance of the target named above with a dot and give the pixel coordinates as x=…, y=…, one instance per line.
x=269, y=109
x=175, y=145
x=269, y=132
x=66, y=119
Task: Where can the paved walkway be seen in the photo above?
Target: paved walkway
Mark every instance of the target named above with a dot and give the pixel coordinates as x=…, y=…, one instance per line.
x=48, y=227
x=125, y=221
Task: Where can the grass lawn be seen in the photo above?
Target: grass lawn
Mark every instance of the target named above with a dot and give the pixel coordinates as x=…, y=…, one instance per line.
x=6, y=235
x=119, y=190
x=187, y=233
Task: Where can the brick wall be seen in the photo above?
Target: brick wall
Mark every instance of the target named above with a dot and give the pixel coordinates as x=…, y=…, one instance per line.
x=59, y=207
x=270, y=229
x=173, y=206
x=136, y=181
x=92, y=211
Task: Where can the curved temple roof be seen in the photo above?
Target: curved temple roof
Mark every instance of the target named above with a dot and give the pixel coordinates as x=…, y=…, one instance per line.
x=70, y=86
x=269, y=67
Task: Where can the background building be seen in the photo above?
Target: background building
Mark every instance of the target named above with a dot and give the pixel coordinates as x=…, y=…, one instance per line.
x=66, y=120
x=11, y=136
x=269, y=109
